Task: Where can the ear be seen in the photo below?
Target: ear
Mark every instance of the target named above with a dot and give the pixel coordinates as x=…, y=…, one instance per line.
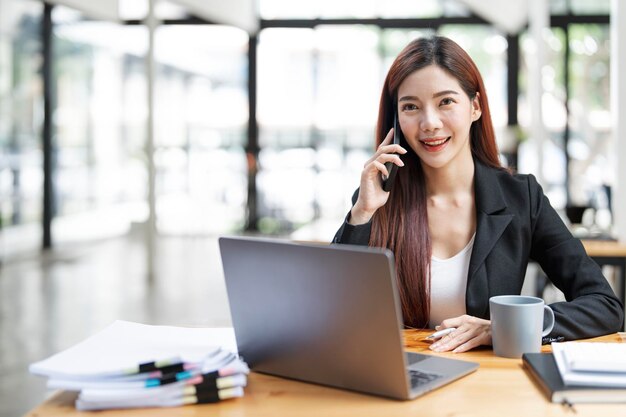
x=476, y=110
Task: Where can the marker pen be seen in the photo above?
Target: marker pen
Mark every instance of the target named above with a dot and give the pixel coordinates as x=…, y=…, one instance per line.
x=441, y=333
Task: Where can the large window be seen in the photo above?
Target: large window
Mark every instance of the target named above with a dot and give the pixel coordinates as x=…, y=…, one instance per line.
x=101, y=115
x=201, y=129
x=590, y=150
x=554, y=117
x=318, y=86
x=319, y=91
x=579, y=164
x=21, y=172
x=100, y=173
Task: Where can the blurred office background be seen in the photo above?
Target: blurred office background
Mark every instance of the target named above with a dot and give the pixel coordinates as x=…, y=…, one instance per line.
x=258, y=128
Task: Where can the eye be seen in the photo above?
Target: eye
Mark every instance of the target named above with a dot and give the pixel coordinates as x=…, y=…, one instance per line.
x=408, y=107
x=447, y=101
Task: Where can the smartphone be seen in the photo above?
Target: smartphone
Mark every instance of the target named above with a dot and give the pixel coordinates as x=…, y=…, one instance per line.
x=391, y=167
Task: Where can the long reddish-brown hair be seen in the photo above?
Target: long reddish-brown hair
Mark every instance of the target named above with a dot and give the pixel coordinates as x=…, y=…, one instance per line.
x=402, y=224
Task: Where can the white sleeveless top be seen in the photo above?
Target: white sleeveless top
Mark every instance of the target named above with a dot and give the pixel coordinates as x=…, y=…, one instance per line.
x=448, y=285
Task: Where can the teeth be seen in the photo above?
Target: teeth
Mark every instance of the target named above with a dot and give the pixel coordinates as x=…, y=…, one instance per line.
x=436, y=142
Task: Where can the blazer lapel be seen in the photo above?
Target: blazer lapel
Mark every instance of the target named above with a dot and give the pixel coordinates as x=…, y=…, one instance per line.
x=491, y=221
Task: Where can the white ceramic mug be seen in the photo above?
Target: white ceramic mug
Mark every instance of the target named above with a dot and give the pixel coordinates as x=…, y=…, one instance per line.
x=517, y=324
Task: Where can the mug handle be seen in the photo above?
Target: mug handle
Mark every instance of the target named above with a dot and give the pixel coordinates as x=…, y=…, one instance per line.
x=551, y=321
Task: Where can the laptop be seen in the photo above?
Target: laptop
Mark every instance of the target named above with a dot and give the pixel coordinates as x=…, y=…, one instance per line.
x=326, y=314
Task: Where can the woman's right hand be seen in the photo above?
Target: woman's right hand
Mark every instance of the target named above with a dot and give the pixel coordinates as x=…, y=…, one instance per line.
x=371, y=193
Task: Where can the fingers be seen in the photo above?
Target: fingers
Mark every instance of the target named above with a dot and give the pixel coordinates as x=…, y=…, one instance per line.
x=387, y=146
x=452, y=322
x=378, y=164
x=390, y=157
x=470, y=344
x=447, y=342
x=384, y=149
x=385, y=152
x=470, y=332
x=388, y=139
x=384, y=155
x=380, y=167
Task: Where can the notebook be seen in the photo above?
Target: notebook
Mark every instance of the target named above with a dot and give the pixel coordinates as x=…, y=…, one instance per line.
x=544, y=370
x=326, y=314
x=591, y=363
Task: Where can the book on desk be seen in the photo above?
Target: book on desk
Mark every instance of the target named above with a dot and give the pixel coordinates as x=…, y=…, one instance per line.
x=579, y=372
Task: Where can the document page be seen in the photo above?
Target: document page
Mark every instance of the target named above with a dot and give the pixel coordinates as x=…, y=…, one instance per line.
x=123, y=345
x=591, y=364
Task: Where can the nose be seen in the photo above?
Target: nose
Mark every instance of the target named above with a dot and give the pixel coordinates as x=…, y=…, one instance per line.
x=430, y=120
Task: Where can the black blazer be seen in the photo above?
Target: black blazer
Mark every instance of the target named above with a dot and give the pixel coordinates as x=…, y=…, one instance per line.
x=515, y=223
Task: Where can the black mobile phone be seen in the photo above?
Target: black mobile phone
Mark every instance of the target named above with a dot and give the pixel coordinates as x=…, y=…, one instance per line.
x=391, y=167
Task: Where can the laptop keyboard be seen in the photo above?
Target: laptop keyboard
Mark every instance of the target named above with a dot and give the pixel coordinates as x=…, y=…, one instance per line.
x=419, y=378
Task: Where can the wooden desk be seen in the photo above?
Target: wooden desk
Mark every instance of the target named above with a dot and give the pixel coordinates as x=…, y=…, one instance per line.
x=606, y=252
x=500, y=387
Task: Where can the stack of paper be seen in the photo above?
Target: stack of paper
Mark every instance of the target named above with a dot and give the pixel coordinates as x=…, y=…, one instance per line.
x=581, y=372
x=591, y=364
x=131, y=365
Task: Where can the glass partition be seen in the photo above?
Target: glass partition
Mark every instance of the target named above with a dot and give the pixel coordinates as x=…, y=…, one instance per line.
x=201, y=129
x=587, y=163
x=318, y=92
x=591, y=145
x=100, y=171
x=554, y=116
x=21, y=115
x=318, y=95
x=318, y=98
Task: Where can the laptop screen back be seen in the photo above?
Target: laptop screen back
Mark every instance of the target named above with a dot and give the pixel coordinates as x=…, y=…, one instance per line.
x=317, y=313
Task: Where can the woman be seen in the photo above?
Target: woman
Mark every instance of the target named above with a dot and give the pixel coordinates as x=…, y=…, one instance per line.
x=463, y=228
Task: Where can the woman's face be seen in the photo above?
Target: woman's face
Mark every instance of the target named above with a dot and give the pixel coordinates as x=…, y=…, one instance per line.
x=435, y=115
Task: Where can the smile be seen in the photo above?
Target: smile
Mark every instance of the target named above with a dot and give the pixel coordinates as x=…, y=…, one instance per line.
x=435, y=144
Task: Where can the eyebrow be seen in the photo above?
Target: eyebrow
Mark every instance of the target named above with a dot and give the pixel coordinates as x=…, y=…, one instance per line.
x=438, y=94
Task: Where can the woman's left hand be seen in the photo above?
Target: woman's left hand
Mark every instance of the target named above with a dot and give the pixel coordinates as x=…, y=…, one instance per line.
x=470, y=332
